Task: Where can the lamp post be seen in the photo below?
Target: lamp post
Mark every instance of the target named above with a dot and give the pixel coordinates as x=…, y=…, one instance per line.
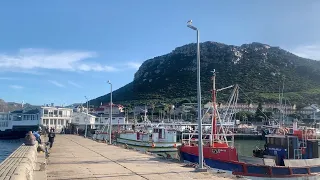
x=110, y=121
x=198, y=98
x=85, y=132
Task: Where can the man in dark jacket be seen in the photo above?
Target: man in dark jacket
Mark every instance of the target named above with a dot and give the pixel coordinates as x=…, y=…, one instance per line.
x=51, y=136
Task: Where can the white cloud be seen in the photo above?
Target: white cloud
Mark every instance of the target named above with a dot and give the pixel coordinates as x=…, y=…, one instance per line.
x=29, y=59
x=16, y=87
x=134, y=65
x=7, y=78
x=308, y=51
x=96, y=67
x=74, y=84
x=56, y=83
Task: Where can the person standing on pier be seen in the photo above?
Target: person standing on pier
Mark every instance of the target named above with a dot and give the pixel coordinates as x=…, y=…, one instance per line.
x=51, y=136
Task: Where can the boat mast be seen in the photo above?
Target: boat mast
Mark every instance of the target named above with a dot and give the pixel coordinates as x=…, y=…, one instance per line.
x=214, y=120
x=145, y=114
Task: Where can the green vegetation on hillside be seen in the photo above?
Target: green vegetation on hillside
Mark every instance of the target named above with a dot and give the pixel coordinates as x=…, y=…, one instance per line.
x=259, y=69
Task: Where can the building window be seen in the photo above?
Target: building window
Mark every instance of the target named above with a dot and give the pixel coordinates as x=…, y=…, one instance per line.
x=51, y=121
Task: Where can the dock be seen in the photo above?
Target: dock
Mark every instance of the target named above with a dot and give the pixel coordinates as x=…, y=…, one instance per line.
x=75, y=157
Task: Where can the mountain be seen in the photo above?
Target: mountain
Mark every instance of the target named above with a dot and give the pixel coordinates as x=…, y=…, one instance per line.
x=12, y=106
x=260, y=70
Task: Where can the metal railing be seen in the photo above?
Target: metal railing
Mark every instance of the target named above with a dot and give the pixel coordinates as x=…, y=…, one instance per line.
x=192, y=138
x=297, y=153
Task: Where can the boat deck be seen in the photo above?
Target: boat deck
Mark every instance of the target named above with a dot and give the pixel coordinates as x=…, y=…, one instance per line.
x=74, y=157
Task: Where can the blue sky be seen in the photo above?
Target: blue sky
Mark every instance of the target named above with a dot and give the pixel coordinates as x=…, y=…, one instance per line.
x=61, y=51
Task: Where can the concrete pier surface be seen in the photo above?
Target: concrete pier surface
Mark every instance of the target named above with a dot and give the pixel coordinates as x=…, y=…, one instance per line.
x=74, y=157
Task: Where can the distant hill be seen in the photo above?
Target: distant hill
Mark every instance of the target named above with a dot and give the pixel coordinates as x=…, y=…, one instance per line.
x=258, y=68
x=12, y=106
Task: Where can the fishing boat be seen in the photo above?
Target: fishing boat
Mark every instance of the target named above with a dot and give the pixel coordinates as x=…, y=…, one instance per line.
x=159, y=139
x=285, y=156
x=152, y=138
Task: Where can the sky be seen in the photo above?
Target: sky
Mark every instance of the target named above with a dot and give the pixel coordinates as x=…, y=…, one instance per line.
x=61, y=51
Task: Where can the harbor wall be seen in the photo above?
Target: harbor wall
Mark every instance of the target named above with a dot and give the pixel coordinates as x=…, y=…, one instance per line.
x=20, y=165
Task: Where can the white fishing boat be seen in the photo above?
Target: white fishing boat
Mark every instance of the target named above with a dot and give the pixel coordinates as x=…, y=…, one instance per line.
x=157, y=139
x=152, y=138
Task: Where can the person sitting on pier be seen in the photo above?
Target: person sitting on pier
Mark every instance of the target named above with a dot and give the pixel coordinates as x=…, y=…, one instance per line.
x=30, y=139
x=37, y=135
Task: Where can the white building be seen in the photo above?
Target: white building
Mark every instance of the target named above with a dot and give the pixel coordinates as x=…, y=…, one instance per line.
x=55, y=117
x=311, y=110
x=105, y=119
x=81, y=119
x=30, y=120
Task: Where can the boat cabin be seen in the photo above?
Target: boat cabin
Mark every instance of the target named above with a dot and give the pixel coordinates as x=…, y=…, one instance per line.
x=290, y=147
x=162, y=134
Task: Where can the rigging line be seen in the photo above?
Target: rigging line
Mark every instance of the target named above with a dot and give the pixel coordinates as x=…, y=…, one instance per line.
x=252, y=101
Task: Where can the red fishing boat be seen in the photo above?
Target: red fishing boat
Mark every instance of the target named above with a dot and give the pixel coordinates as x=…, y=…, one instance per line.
x=289, y=156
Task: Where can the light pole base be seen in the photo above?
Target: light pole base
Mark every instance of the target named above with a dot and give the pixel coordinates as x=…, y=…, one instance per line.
x=201, y=170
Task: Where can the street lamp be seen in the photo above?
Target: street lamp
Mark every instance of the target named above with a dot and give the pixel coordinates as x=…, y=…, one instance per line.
x=85, y=133
x=198, y=98
x=110, y=121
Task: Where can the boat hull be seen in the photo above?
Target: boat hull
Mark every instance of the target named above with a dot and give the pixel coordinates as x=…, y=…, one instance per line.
x=257, y=171
x=17, y=132
x=151, y=146
x=101, y=137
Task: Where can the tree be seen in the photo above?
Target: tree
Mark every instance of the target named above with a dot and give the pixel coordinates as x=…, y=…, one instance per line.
x=269, y=114
x=241, y=115
x=259, y=115
x=249, y=103
x=166, y=108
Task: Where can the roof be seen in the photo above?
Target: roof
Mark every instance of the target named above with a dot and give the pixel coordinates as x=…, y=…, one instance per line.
x=107, y=115
x=17, y=111
x=33, y=111
x=26, y=111
x=312, y=107
x=83, y=113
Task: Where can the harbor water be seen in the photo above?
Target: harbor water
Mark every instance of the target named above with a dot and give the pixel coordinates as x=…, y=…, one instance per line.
x=7, y=147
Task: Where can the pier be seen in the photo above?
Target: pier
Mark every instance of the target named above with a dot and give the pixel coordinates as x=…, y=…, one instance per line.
x=75, y=157
x=23, y=164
